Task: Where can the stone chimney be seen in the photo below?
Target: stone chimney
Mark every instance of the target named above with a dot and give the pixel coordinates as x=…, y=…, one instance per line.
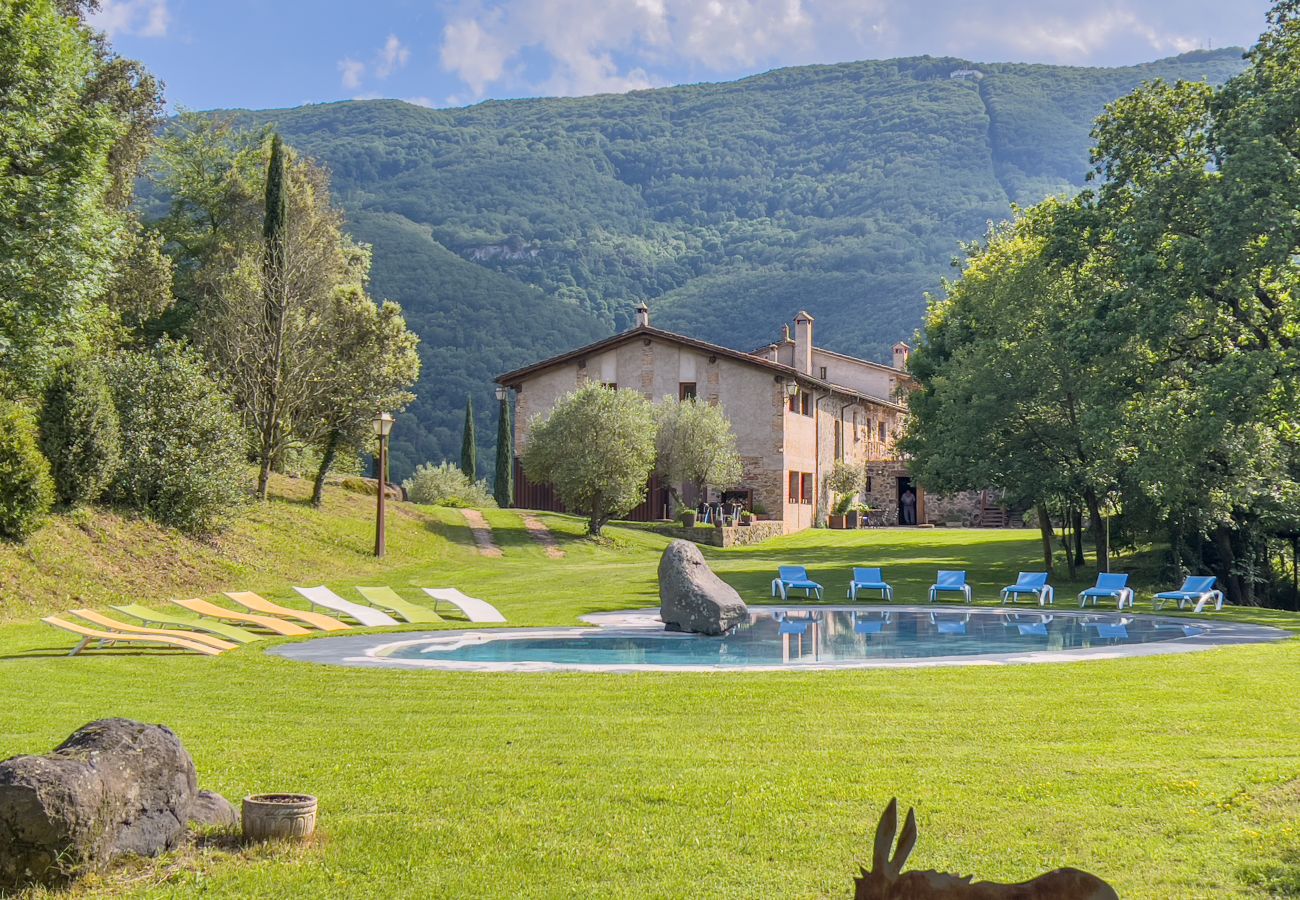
x=901, y=353
x=643, y=316
x=803, y=342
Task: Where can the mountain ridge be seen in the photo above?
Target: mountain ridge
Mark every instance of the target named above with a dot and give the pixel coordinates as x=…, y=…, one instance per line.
x=845, y=188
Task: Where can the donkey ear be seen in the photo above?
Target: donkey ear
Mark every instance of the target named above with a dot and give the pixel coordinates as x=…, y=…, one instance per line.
x=906, y=841
x=885, y=832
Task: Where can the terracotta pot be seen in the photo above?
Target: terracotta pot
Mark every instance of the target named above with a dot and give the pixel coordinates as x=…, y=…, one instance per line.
x=688, y=520
x=285, y=817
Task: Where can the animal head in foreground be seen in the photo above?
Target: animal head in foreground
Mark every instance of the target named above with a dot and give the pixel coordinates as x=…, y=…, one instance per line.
x=886, y=881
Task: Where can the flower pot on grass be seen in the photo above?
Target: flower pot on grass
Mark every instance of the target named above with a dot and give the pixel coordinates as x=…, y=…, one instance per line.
x=688, y=519
x=279, y=817
x=837, y=521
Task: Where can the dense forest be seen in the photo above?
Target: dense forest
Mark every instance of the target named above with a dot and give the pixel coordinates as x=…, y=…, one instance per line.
x=512, y=229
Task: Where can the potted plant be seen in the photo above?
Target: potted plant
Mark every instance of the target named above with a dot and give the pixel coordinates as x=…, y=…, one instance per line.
x=746, y=518
x=854, y=515
x=687, y=518
x=840, y=514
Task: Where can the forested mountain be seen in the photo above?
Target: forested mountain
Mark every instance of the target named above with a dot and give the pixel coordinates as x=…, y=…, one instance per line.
x=512, y=229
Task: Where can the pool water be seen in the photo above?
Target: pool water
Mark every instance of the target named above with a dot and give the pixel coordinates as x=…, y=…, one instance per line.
x=780, y=638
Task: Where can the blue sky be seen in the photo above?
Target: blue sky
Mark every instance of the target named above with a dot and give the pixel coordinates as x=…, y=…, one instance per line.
x=273, y=53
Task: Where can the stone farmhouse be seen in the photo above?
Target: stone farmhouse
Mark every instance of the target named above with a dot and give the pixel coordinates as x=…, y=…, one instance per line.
x=796, y=409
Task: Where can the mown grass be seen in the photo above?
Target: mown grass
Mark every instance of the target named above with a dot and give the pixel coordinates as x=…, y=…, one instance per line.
x=1170, y=776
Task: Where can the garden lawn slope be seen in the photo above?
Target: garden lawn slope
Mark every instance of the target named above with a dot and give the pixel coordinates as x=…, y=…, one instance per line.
x=1173, y=776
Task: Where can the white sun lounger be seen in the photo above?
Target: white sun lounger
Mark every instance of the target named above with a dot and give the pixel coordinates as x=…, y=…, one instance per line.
x=474, y=609
x=366, y=615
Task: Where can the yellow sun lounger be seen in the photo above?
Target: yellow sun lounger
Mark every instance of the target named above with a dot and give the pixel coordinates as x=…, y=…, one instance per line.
x=89, y=635
x=261, y=605
x=108, y=622
x=270, y=623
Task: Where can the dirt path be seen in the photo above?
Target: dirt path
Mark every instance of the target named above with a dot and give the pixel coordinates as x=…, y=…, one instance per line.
x=540, y=533
x=482, y=531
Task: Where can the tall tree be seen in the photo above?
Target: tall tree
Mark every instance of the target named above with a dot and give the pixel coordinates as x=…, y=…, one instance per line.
x=468, y=443
x=277, y=297
x=503, y=485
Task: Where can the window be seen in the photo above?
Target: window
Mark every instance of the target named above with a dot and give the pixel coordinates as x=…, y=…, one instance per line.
x=868, y=488
x=882, y=431
x=822, y=372
x=839, y=439
x=686, y=390
x=805, y=403
x=806, y=488
x=794, y=487
x=612, y=385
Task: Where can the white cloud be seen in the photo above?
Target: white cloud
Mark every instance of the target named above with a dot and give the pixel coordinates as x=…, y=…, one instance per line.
x=590, y=46
x=351, y=72
x=392, y=56
x=138, y=18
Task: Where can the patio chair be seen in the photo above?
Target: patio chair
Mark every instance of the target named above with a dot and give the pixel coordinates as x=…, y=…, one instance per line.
x=112, y=624
x=92, y=635
x=950, y=583
x=388, y=598
x=1034, y=583
x=327, y=599
x=148, y=616
x=1109, y=584
x=251, y=601
x=270, y=623
x=475, y=610
x=869, y=580
x=794, y=578
x=1198, y=589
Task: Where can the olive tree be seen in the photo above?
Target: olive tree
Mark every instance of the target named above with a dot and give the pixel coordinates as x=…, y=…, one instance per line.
x=694, y=444
x=596, y=448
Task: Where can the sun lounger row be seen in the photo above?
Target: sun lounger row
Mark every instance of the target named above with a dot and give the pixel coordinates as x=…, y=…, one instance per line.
x=220, y=628
x=1198, y=590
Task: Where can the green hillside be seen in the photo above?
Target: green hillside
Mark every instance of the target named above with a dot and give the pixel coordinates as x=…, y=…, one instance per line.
x=516, y=228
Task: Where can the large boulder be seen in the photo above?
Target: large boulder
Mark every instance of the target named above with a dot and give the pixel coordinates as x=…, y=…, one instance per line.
x=691, y=597
x=115, y=787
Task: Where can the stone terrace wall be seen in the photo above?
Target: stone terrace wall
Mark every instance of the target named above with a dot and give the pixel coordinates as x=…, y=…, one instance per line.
x=736, y=536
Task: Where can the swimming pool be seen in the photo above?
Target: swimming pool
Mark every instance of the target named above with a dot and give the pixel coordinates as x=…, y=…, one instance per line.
x=792, y=638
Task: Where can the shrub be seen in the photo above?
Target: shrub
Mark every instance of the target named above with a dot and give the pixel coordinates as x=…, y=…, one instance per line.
x=26, y=490
x=446, y=485
x=80, y=433
x=183, y=449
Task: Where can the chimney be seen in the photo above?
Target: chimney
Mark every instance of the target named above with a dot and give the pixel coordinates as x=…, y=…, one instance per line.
x=803, y=342
x=901, y=353
x=643, y=316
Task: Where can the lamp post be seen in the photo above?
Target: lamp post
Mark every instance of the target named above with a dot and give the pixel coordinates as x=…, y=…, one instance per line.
x=382, y=424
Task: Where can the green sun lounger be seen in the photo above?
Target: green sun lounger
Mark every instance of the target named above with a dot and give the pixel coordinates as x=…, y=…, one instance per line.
x=211, y=626
x=387, y=598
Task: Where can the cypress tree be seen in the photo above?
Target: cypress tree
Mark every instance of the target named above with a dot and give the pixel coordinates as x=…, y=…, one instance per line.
x=503, y=488
x=468, y=451
x=274, y=313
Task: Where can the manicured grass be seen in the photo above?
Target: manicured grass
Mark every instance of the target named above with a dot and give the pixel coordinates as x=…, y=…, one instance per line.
x=1174, y=776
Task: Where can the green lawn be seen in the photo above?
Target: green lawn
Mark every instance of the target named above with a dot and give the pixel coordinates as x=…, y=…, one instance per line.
x=1174, y=776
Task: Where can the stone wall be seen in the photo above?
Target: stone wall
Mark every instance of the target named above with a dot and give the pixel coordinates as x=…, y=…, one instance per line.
x=736, y=536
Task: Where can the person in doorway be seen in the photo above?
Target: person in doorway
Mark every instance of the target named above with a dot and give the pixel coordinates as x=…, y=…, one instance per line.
x=908, y=500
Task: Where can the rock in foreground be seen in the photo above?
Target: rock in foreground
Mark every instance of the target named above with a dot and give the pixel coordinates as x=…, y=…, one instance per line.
x=691, y=597
x=115, y=787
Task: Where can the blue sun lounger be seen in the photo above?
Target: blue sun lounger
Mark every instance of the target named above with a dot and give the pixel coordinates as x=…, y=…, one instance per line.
x=952, y=583
x=794, y=578
x=1198, y=589
x=1034, y=583
x=869, y=580
x=1109, y=584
